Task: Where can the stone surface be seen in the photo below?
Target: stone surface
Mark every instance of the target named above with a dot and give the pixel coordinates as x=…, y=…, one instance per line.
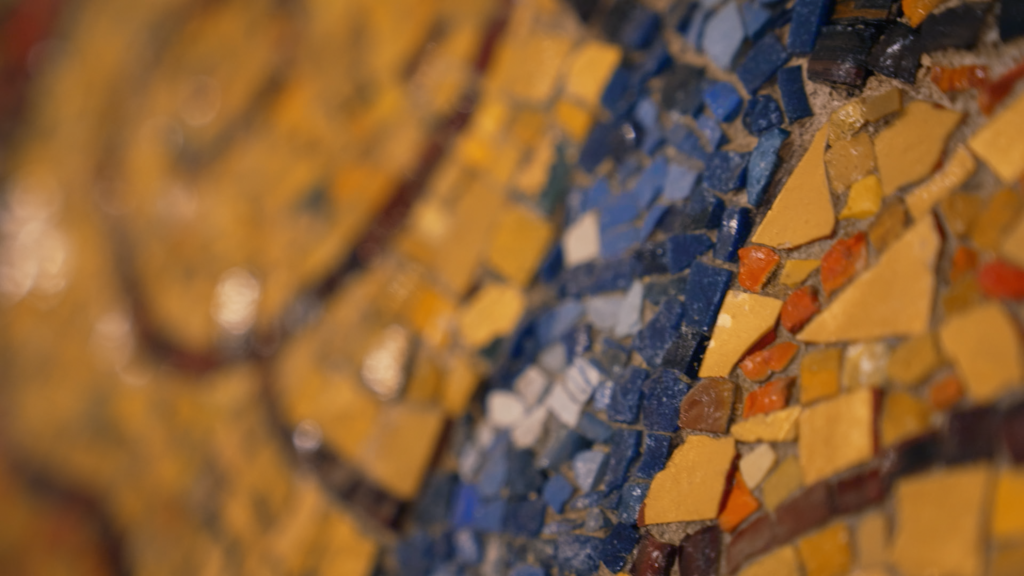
x=762, y=114
x=826, y=552
x=864, y=365
x=743, y=320
x=903, y=417
x=820, y=374
x=984, y=345
x=739, y=505
x=913, y=360
x=837, y=434
x=768, y=398
x=781, y=562
x=847, y=161
x=799, y=308
x=956, y=170
x=803, y=211
x=692, y=484
x=756, y=464
x=705, y=292
x=869, y=308
x=783, y=482
x=843, y=260
x=708, y=406
x=618, y=545
x=909, y=148
x=778, y=426
x=794, y=272
x=997, y=144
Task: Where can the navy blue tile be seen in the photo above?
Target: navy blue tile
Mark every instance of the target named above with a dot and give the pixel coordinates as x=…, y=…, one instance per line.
x=490, y=516
x=656, y=447
x=595, y=521
x=523, y=477
x=625, y=404
x=562, y=444
x=585, y=501
x=415, y=554
x=761, y=63
x=686, y=352
x=663, y=392
x=756, y=19
x=599, y=145
x=681, y=91
x=808, y=17
x=640, y=28
x=679, y=183
x=597, y=195
x=617, y=546
x=714, y=138
x=703, y=210
x=612, y=357
x=653, y=340
x=619, y=209
x=656, y=291
x=732, y=235
x=705, y=291
x=527, y=570
x=625, y=447
x=958, y=27
x=578, y=554
x=613, y=275
x=897, y=54
x=687, y=141
x=618, y=91
x=841, y=54
x=525, y=517
x=723, y=35
x=557, y=491
x=651, y=220
x=557, y=322
x=593, y=428
x=682, y=250
x=762, y=114
x=655, y=61
x=722, y=100
x=467, y=500
x=650, y=183
x=619, y=241
x=551, y=266
x=763, y=162
x=794, y=97
x=1011, y=19
x=726, y=170
x=632, y=498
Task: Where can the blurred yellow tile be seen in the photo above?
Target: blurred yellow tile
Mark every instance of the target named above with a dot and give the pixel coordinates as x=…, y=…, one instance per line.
x=780, y=562
x=909, y=148
x=491, y=313
x=401, y=447
x=574, y=120
x=534, y=174
x=590, y=68
x=1008, y=504
x=837, y=434
x=461, y=380
x=819, y=374
x=520, y=241
x=992, y=222
x=904, y=416
x=984, y=344
x=999, y=144
x=827, y=551
x=957, y=169
x=864, y=200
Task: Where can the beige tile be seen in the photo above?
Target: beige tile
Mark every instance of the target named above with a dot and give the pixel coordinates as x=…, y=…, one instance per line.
x=872, y=539
x=783, y=482
x=794, y=272
x=756, y=464
x=864, y=365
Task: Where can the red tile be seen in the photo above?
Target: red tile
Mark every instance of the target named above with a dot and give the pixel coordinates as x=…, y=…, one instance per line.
x=843, y=261
x=999, y=279
x=768, y=398
x=756, y=264
x=800, y=307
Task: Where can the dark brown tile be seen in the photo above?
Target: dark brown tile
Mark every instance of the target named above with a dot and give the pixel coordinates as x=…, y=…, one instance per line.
x=859, y=491
x=700, y=553
x=971, y=435
x=1013, y=432
x=654, y=557
x=708, y=406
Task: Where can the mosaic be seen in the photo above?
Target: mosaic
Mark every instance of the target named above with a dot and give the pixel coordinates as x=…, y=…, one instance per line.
x=481, y=287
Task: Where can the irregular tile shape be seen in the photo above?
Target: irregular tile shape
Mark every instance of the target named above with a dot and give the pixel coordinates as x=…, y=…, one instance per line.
x=957, y=169
x=662, y=394
x=761, y=63
x=819, y=374
x=946, y=539
x=504, y=409
x=808, y=17
x=764, y=160
x=878, y=106
x=686, y=352
x=803, y=211
x=578, y=554
x=845, y=121
x=708, y=406
x=804, y=512
x=653, y=557
x=691, y=485
x=960, y=78
x=847, y=161
x=917, y=10
x=762, y=114
x=946, y=392
x=840, y=55
x=903, y=417
x=587, y=468
x=909, y=148
x=756, y=264
x=756, y=464
x=843, y=260
x=726, y=170
x=864, y=365
x=738, y=506
x=1001, y=210
x=1008, y=505
x=743, y=320
x=799, y=308
x=1001, y=280
x=984, y=345
x=778, y=426
x=723, y=101
x=913, y=360
x=653, y=340
x=998, y=144
x=781, y=562
x=581, y=242
x=520, y=241
x=865, y=198
x=759, y=365
x=870, y=309
x=767, y=398
x=399, y=449
x=618, y=545
x=705, y=292
x=590, y=68
x=856, y=492
x=794, y=272
x=837, y=434
x=888, y=226
x=826, y=552
x=656, y=450
x=1013, y=244
x=733, y=233
x=782, y=483
x=723, y=35
x=794, y=97
x=700, y=552
x=897, y=54
x=629, y=314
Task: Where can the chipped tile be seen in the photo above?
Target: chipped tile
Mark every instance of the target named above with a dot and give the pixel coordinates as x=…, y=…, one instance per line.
x=767, y=398
x=864, y=365
x=794, y=272
x=819, y=374
x=984, y=345
x=913, y=360
x=778, y=426
x=888, y=225
x=759, y=365
x=492, y=312
x=957, y=169
x=846, y=121
x=909, y=148
x=826, y=552
x=692, y=484
x=738, y=506
x=708, y=406
x=756, y=464
x=743, y=320
x=799, y=308
x=865, y=199
x=837, y=434
x=988, y=228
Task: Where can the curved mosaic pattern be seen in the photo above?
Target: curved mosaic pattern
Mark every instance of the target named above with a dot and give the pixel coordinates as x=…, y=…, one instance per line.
x=525, y=288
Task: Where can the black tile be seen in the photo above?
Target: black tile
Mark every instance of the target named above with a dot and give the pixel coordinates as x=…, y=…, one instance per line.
x=840, y=56
x=971, y=435
x=897, y=54
x=957, y=27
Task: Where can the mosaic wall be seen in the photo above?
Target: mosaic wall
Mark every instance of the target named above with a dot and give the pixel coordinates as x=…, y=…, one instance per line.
x=480, y=287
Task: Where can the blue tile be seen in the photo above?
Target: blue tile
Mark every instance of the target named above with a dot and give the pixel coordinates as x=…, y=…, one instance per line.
x=557, y=491
x=712, y=132
x=687, y=141
x=525, y=517
x=619, y=241
x=523, y=478
x=467, y=500
x=587, y=468
x=561, y=526
x=651, y=220
x=762, y=114
x=722, y=100
x=657, y=291
x=595, y=521
x=625, y=404
x=619, y=209
x=617, y=546
x=577, y=342
x=761, y=63
x=703, y=210
x=679, y=183
x=468, y=547
x=585, y=501
x=432, y=508
x=612, y=275
x=732, y=235
x=808, y=17
x=694, y=32
x=640, y=28
x=663, y=392
x=632, y=498
x=617, y=90
x=653, y=340
x=655, y=61
x=593, y=428
x=627, y=168
x=562, y=444
x=598, y=145
x=625, y=446
x=681, y=90
x=558, y=321
x=578, y=554
x=415, y=554
x=490, y=516
x=723, y=35
x=602, y=396
x=763, y=162
x=726, y=170
x=597, y=195
x=655, y=455
x=682, y=250
x=551, y=266
x=756, y=19
x=611, y=499
x=646, y=112
x=494, y=473
x=527, y=570
x=705, y=291
x=794, y=97
x=613, y=357
x=687, y=351
x=650, y=183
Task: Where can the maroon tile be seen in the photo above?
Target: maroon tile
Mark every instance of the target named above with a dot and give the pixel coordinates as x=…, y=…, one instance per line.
x=758, y=536
x=971, y=435
x=708, y=406
x=654, y=557
x=859, y=491
x=912, y=456
x=700, y=553
x=1013, y=432
x=808, y=510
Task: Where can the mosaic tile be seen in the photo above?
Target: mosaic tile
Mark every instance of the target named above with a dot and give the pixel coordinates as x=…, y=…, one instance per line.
x=984, y=346
x=799, y=308
x=625, y=447
x=913, y=360
x=739, y=505
x=859, y=491
x=578, y=554
x=782, y=483
x=826, y=552
x=917, y=10
x=768, y=398
x=618, y=545
x=656, y=451
x=850, y=160
x=703, y=489
x=808, y=18
x=998, y=279
x=794, y=98
x=708, y=406
x=723, y=35
x=951, y=176
x=903, y=417
x=782, y=562
x=1007, y=503
x=726, y=170
x=897, y=54
x=819, y=374
x=864, y=365
x=778, y=426
x=662, y=393
x=837, y=434
x=732, y=235
x=909, y=148
x=794, y=272
x=756, y=464
x=744, y=319
x=700, y=552
x=843, y=260
x=764, y=160
x=756, y=537
x=865, y=198
x=871, y=537
x=993, y=220
x=945, y=393
x=705, y=292
x=653, y=557
x=762, y=114
x=756, y=264
x=757, y=366
x=840, y=55
x=761, y=63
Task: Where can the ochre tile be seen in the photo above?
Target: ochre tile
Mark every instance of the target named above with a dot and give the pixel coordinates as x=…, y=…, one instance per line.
x=917, y=10
x=756, y=264
x=837, y=434
x=999, y=145
x=756, y=464
x=794, y=272
x=692, y=484
x=870, y=308
x=965, y=261
x=909, y=148
x=492, y=312
x=962, y=294
x=827, y=551
x=872, y=539
x=843, y=260
x=778, y=426
x=803, y=211
x=532, y=177
x=767, y=398
x=1008, y=505
x=799, y=308
x=347, y=549
x=903, y=417
x=521, y=239
x=1013, y=243
x=1007, y=560
x=959, y=210
x=530, y=68
x=985, y=347
x=738, y=506
x=456, y=259
x=847, y=161
x=589, y=68
x=819, y=374
x=742, y=321
x=846, y=121
x=888, y=225
x=781, y=562
x=461, y=380
x=573, y=119
x=882, y=104
x=782, y=483
x=945, y=392
x=913, y=360
x=989, y=227
x=947, y=538
x=401, y=447
x=957, y=169
x=865, y=199
x=864, y=365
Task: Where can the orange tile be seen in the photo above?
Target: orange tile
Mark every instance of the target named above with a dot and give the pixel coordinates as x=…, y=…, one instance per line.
x=756, y=264
x=945, y=393
x=759, y=365
x=843, y=261
x=768, y=398
x=798, y=309
x=739, y=506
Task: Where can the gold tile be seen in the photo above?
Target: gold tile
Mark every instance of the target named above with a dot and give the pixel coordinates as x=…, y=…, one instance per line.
x=742, y=321
x=783, y=482
x=959, y=210
x=999, y=144
x=530, y=69
x=947, y=538
x=870, y=307
x=819, y=374
x=1008, y=505
x=914, y=359
x=904, y=416
x=492, y=312
x=962, y=294
x=794, y=272
x=1007, y=559
x=803, y=211
x=910, y=147
x=865, y=198
x=574, y=120
x=590, y=68
x=1013, y=244
x=780, y=562
x=827, y=551
x=988, y=228
x=398, y=452
x=778, y=426
x=872, y=539
x=845, y=121
x=692, y=483
x=847, y=161
x=461, y=380
x=888, y=226
x=520, y=241
x=882, y=104
x=347, y=549
x=456, y=260
x=985, y=347
x=957, y=169
x=532, y=178
x=864, y=365
x=837, y=434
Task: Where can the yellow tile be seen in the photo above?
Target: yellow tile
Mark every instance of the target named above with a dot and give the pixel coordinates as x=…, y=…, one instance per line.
x=881, y=105
x=590, y=68
x=837, y=434
x=984, y=345
x=1008, y=505
x=399, y=450
x=959, y=210
x=529, y=126
x=939, y=522
x=819, y=374
x=845, y=121
x=999, y=144
x=827, y=551
x=847, y=161
x=864, y=365
x=865, y=198
x=520, y=241
x=963, y=294
x=960, y=166
x=910, y=147
x=347, y=549
x=869, y=308
x=691, y=485
x=988, y=228
x=872, y=539
x=425, y=383
x=492, y=312
x=794, y=272
x=782, y=483
x=1013, y=245
x=778, y=426
x=1007, y=560
x=781, y=562
x=533, y=177
x=904, y=416
x=913, y=360
x=530, y=68
x=574, y=120
x=803, y=211
x=888, y=226
x=456, y=260
x=430, y=313
x=461, y=381
x=743, y=320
